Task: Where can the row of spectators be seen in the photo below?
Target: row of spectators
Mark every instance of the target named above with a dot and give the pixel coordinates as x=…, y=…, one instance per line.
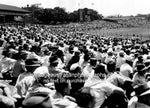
x=58, y=68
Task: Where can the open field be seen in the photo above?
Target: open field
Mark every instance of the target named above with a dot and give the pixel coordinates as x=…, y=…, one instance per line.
x=142, y=33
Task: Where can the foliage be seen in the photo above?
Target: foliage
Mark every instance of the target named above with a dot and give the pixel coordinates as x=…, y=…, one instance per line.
x=60, y=16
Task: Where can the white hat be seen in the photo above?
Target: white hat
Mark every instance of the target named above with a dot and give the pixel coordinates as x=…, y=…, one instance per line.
x=41, y=72
x=74, y=66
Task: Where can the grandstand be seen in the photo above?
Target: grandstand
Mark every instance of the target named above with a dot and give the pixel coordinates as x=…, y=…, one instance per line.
x=10, y=13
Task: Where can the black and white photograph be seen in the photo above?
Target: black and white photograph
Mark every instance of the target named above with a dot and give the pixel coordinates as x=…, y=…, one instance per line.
x=74, y=54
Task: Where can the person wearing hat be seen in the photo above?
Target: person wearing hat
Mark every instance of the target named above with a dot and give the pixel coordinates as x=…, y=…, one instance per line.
x=85, y=98
x=26, y=79
x=61, y=97
x=53, y=65
x=138, y=60
x=140, y=97
x=101, y=90
x=6, y=99
x=120, y=59
x=69, y=55
x=41, y=78
x=74, y=59
x=99, y=74
x=77, y=80
x=37, y=100
x=126, y=69
x=89, y=69
x=45, y=57
x=119, y=80
x=109, y=56
x=19, y=66
x=6, y=63
x=139, y=77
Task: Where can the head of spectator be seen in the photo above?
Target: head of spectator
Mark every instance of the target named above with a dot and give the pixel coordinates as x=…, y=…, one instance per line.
x=75, y=68
x=86, y=57
x=71, y=49
x=85, y=98
x=31, y=64
x=128, y=52
x=111, y=66
x=46, y=51
x=140, y=89
x=60, y=54
x=23, y=55
x=41, y=75
x=93, y=62
x=77, y=80
x=110, y=53
x=26, y=47
x=77, y=53
x=37, y=100
x=5, y=53
x=147, y=62
x=136, y=55
x=53, y=60
x=140, y=58
x=121, y=54
x=143, y=94
x=141, y=69
x=126, y=71
x=62, y=85
x=129, y=60
x=100, y=71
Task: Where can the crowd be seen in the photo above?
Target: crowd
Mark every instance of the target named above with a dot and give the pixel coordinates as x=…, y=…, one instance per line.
x=62, y=68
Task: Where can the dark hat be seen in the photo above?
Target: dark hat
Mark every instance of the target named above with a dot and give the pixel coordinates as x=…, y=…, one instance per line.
x=141, y=67
x=32, y=62
x=53, y=59
x=121, y=53
x=147, y=62
x=47, y=51
x=141, y=90
x=93, y=61
x=100, y=69
x=37, y=100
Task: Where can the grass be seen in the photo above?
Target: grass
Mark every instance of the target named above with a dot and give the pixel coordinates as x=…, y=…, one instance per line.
x=142, y=33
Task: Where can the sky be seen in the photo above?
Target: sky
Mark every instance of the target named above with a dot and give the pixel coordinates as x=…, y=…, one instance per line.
x=104, y=7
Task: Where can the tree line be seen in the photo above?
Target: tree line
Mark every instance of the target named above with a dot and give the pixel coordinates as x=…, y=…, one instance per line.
x=59, y=15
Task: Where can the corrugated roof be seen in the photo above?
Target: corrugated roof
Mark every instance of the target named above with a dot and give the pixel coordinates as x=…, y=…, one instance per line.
x=12, y=8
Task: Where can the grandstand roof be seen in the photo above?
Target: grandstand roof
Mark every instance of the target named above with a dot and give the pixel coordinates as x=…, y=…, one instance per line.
x=11, y=10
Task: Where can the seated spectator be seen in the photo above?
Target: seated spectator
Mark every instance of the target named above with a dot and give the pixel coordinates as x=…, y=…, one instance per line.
x=88, y=70
x=85, y=98
x=61, y=98
x=26, y=79
x=19, y=66
x=76, y=79
x=102, y=89
x=37, y=100
x=139, y=77
x=6, y=65
x=140, y=97
x=120, y=59
x=6, y=99
x=41, y=76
